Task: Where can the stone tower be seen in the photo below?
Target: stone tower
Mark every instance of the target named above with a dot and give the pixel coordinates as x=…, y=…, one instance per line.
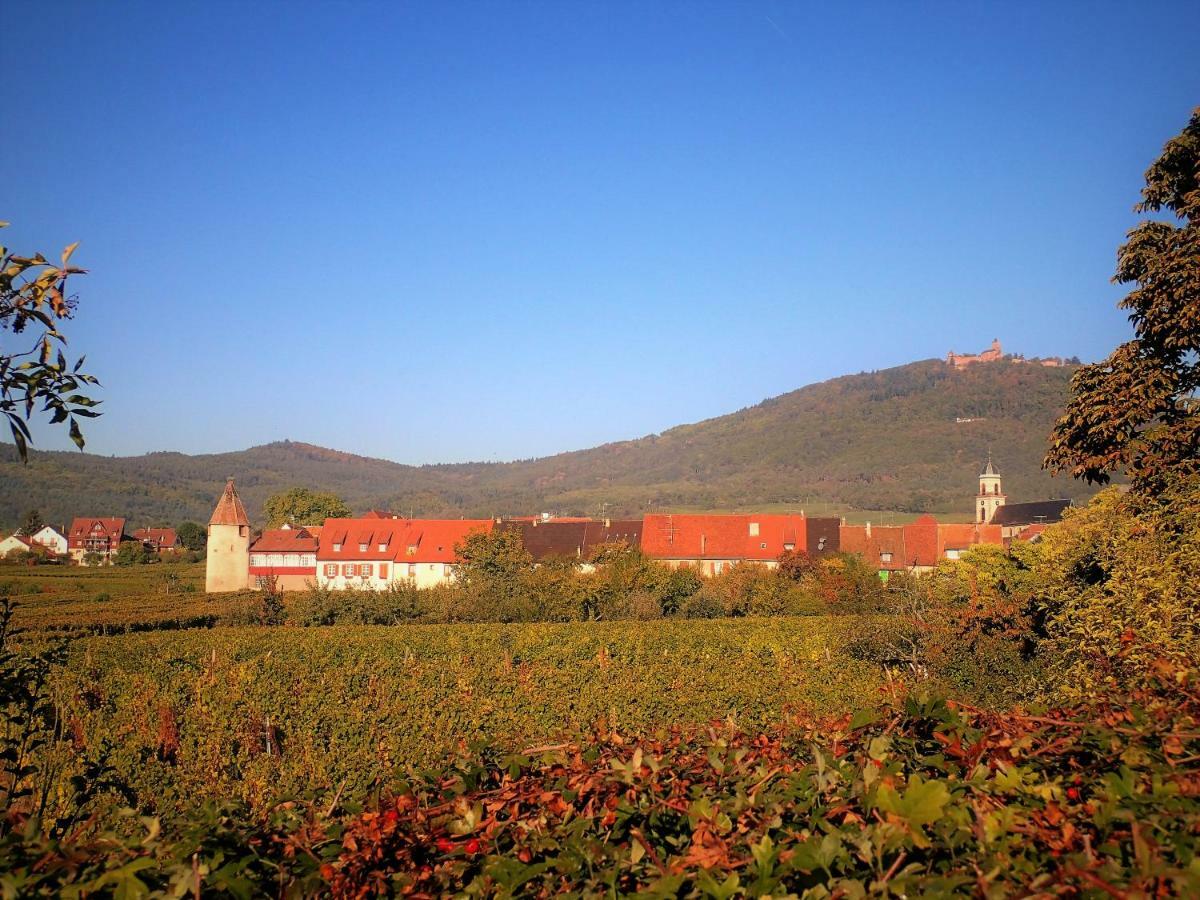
x=228, y=545
x=991, y=494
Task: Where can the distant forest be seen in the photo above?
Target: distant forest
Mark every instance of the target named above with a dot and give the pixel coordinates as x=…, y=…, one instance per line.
x=887, y=440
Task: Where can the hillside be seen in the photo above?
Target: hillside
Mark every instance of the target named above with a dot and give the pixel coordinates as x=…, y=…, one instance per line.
x=878, y=440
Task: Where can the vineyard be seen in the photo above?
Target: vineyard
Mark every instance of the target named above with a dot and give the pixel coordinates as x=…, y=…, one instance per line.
x=262, y=713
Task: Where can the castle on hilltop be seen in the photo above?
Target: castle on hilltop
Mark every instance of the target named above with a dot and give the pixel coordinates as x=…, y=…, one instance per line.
x=995, y=353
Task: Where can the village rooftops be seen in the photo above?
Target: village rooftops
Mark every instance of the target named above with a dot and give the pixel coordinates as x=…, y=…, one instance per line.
x=88, y=533
x=728, y=537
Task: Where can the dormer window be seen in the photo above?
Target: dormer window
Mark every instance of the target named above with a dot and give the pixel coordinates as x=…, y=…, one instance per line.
x=337, y=548
x=885, y=557
x=383, y=548
x=753, y=529
x=789, y=546
x=362, y=547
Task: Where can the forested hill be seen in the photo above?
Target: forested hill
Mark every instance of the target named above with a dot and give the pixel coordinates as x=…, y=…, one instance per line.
x=891, y=439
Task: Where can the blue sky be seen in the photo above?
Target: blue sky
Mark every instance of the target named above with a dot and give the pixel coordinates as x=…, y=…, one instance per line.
x=441, y=232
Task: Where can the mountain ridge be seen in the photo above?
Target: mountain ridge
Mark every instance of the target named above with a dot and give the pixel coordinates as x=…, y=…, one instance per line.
x=908, y=438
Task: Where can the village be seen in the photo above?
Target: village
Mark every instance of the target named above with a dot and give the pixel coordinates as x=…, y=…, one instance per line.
x=379, y=547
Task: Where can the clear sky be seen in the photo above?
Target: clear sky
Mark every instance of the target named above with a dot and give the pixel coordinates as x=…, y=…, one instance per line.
x=438, y=232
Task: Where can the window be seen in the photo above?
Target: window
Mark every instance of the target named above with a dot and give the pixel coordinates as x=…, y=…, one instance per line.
x=256, y=559
x=412, y=570
x=885, y=557
x=365, y=570
x=331, y=570
x=953, y=554
x=348, y=569
x=307, y=559
x=362, y=547
x=337, y=548
x=383, y=548
x=753, y=529
x=789, y=546
x=383, y=570
x=762, y=546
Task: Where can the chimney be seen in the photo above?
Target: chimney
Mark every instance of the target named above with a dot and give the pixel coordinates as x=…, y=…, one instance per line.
x=702, y=543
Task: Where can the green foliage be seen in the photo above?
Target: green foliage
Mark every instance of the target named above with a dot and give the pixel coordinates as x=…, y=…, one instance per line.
x=33, y=294
x=133, y=553
x=364, y=704
x=918, y=798
x=1137, y=410
x=31, y=522
x=1118, y=587
x=192, y=536
x=301, y=506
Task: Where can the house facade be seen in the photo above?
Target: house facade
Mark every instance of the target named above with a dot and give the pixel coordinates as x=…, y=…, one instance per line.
x=52, y=539
x=375, y=552
x=285, y=556
x=101, y=536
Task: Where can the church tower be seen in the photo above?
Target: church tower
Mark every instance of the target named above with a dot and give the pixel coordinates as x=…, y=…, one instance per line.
x=991, y=494
x=228, y=545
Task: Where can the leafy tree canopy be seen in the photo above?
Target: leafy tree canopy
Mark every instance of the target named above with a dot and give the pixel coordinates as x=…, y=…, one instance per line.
x=192, y=536
x=1137, y=410
x=31, y=522
x=33, y=296
x=300, y=506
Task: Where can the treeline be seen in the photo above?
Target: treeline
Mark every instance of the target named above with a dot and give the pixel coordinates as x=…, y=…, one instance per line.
x=878, y=440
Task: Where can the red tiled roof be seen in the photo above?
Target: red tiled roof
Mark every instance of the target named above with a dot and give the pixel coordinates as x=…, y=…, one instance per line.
x=686, y=536
x=163, y=537
x=921, y=542
x=285, y=540
x=229, y=509
x=431, y=540
x=83, y=528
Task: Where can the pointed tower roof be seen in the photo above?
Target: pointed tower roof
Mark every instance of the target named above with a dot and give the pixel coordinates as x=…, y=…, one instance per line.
x=229, y=509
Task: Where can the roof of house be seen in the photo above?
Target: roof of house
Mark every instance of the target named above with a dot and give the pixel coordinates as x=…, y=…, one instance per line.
x=19, y=538
x=1031, y=533
x=404, y=540
x=51, y=529
x=572, y=538
x=1039, y=511
x=229, y=509
x=686, y=536
x=285, y=540
x=164, y=537
x=83, y=527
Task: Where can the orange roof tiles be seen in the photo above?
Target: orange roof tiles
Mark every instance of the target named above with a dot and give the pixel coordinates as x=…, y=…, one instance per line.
x=285, y=540
x=687, y=536
x=402, y=540
x=229, y=509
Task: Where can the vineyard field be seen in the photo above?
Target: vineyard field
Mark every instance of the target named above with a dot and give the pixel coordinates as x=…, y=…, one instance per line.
x=265, y=713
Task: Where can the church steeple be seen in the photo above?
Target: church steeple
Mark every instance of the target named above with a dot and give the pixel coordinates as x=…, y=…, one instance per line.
x=991, y=493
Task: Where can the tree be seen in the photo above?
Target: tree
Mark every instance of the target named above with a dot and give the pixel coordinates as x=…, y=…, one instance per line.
x=1137, y=410
x=31, y=522
x=192, y=536
x=33, y=294
x=133, y=553
x=300, y=506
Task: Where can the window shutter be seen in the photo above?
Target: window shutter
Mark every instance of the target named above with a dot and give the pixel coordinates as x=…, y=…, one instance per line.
x=383, y=570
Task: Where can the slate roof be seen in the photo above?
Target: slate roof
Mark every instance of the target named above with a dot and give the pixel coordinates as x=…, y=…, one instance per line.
x=1039, y=511
x=573, y=538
